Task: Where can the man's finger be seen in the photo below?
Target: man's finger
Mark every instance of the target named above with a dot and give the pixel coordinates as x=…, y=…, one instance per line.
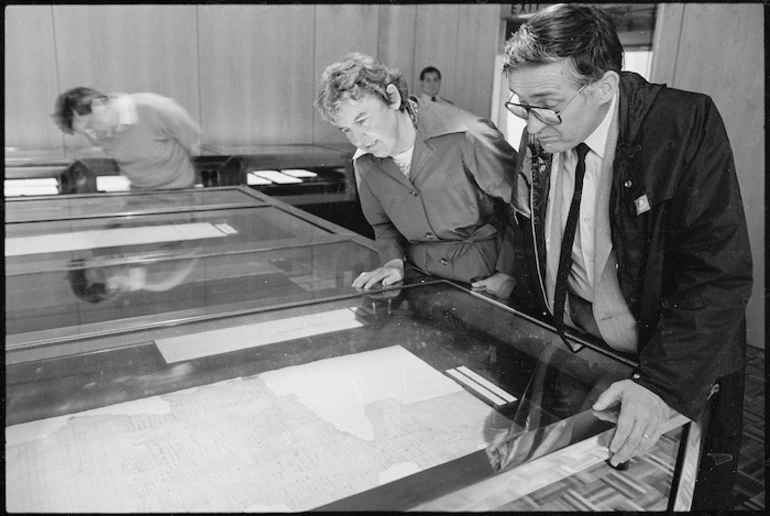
x=607, y=415
x=608, y=398
x=650, y=436
x=631, y=446
x=622, y=431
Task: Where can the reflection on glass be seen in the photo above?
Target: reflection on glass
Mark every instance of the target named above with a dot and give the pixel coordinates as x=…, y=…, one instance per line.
x=108, y=271
x=97, y=279
x=107, y=205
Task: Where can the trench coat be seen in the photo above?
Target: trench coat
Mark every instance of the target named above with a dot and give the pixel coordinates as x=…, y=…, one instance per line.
x=449, y=217
x=679, y=235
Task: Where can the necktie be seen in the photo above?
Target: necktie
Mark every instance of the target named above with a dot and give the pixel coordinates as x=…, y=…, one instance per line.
x=565, y=256
x=433, y=99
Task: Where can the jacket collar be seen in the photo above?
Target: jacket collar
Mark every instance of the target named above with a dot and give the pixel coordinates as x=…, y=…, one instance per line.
x=636, y=98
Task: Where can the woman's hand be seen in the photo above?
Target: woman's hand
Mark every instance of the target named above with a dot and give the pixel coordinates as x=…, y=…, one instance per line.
x=390, y=273
x=498, y=284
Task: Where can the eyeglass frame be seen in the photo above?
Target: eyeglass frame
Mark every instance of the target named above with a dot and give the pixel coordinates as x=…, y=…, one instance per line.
x=532, y=109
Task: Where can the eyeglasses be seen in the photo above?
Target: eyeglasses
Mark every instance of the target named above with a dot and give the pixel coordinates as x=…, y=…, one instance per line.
x=545, y=115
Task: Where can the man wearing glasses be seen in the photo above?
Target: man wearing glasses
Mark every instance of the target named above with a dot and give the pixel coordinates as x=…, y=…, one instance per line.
x=634, y=231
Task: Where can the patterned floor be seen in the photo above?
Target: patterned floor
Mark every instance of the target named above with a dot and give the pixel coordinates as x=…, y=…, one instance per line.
x=600, y=488
x=749, y=493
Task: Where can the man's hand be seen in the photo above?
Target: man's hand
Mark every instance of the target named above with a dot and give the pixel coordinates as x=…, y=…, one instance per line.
x=641, y=421
x=390, y=273
x=498, y=284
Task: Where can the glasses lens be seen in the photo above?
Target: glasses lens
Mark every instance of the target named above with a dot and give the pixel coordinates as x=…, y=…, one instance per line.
x=517, y=110
x=546, y=116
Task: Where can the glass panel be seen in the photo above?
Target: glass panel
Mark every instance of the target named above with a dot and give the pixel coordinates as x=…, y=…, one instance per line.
x=179, y=282
x=372, y=435
x=43, y=247
x=102, y=205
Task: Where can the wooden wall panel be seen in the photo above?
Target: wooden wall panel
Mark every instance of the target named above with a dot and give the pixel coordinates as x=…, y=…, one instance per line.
x=256, y=73
x=729, y=68
x=436, y=42
x=668, y=32
x=340, y=29
x=129, y=48
x=30, y=78
x=479, y=29
x=397, y=29
x=247, y=73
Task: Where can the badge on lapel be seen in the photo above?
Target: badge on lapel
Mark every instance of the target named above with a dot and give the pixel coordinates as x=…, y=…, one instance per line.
x=642, y=204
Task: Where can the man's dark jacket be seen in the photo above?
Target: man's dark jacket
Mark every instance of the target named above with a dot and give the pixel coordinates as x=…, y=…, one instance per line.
x=684, y=265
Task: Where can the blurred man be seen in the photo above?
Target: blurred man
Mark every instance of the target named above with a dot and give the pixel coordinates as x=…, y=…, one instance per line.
x=432, y=178
x=430, y=82
x=151, y=137
x=635, y=230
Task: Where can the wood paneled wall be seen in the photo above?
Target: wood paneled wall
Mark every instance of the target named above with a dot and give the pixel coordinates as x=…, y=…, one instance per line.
x=718, y=49
x=247, y=73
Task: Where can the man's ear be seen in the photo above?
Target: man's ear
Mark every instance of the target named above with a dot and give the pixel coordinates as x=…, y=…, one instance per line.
x=394, y=97
x=607, y=86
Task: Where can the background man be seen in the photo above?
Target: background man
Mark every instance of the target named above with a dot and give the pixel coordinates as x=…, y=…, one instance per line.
x=151, y=137
x=651, y=253
x=432, y=178
x=430, y=83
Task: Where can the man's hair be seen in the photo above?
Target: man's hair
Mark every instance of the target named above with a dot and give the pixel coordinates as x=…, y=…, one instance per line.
x=77, y=100
x=429, y=69
x=356, y=76
x=91, y=292
x=584, y=34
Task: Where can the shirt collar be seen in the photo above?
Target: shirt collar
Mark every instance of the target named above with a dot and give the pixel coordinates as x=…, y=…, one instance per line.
x=428, y=98
x=597, y=141
x=126, y=104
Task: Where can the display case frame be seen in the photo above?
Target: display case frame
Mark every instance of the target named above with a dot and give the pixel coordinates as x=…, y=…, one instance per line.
x=446, y=310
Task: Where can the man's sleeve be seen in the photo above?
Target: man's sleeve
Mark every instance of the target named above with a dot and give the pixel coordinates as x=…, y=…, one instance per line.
x=178, y=123
x=388, y=241
x=707, y=265
x=492, y=160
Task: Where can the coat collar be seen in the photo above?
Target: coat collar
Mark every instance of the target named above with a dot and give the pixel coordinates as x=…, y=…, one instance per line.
x=636, y=98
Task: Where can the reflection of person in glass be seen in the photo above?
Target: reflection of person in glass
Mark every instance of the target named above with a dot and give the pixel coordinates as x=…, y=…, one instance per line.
x=99, y=279
x=157, y=267
x=554, y=407
x=431, y=177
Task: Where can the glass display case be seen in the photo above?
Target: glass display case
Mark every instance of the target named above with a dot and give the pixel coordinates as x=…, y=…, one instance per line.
x=204, y=350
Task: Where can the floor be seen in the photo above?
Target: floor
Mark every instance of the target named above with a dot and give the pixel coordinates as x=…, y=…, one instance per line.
x=600, y=489
x=749, y=492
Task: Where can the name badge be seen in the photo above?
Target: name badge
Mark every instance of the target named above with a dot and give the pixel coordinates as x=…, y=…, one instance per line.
x=642, y=204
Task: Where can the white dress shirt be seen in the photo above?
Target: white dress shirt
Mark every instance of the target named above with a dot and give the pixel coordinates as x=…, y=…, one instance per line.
x=581, y=278
x=404, y=161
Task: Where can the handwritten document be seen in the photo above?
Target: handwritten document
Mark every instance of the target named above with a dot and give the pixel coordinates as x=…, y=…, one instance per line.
x=285, y=440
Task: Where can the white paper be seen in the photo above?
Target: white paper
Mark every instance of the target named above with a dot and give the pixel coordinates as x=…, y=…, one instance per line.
x=188, y=347
x=298, y=172
x=497, y=400
x=277, y=177
x=113, y=184
x=97, y=238
x=253, y=179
